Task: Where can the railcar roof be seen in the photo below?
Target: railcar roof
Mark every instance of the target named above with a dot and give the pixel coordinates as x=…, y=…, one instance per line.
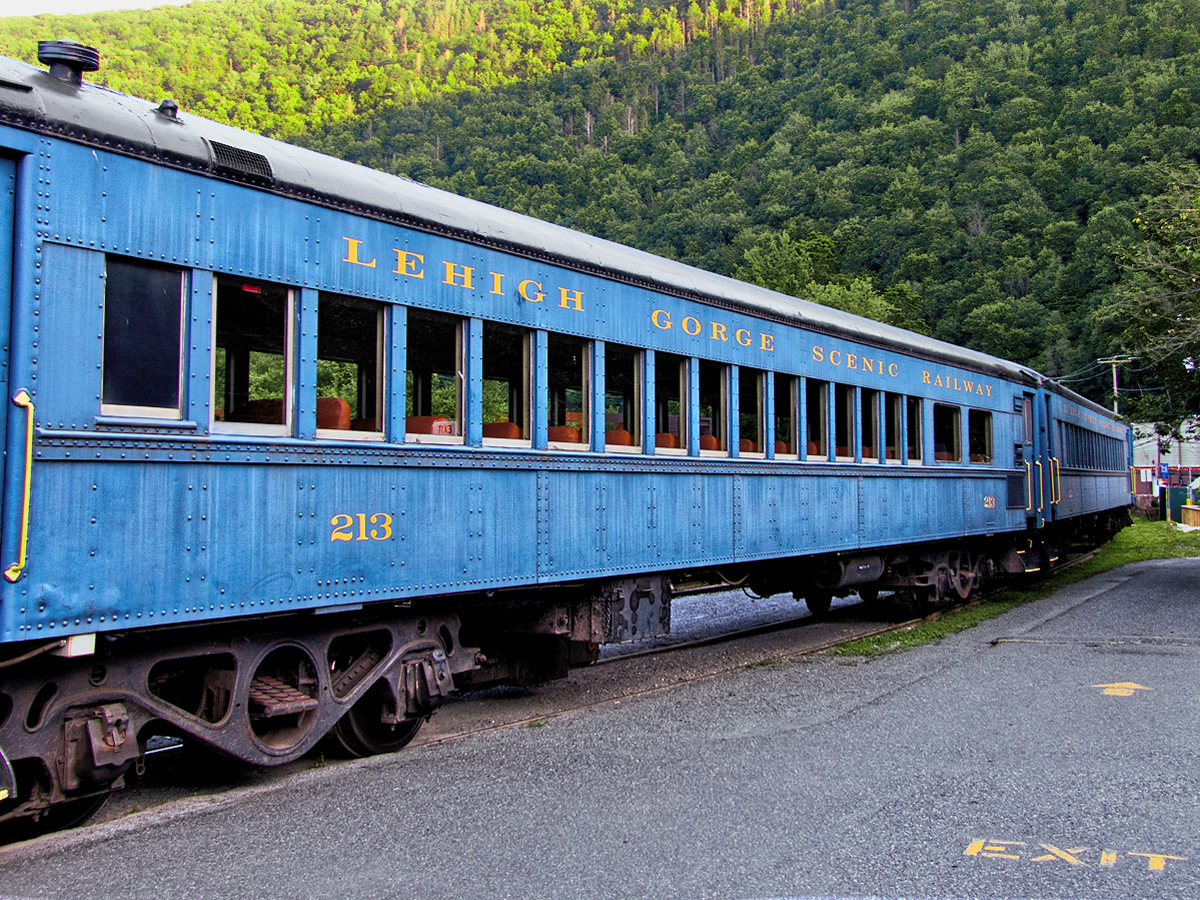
x=91, y=114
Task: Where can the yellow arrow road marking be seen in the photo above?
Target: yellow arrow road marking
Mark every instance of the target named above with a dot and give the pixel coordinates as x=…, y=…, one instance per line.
x=1122, y=688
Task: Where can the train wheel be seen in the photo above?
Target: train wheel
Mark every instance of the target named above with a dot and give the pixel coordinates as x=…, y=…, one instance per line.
x=363, y=732
x=818, y=602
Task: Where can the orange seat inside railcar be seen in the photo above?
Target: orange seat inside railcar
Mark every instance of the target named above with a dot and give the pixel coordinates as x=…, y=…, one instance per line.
x=428, y=425
x=565, y=434
x=333, y=412
x=510, y=430
x=619, y=437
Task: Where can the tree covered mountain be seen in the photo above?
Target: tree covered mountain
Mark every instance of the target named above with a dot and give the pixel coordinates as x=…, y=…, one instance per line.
x=971, y=168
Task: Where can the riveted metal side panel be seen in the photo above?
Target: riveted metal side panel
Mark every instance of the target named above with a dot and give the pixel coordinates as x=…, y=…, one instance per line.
x=69, y=337
x=817, y=511
x=147, y=542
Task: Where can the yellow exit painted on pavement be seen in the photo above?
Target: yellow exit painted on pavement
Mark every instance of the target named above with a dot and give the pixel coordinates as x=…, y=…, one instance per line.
x=1122, y=688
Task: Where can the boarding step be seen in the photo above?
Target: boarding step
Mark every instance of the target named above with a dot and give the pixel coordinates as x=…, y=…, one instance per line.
x=271, y=697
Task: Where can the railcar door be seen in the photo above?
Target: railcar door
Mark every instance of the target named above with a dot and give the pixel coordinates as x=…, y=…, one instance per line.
x=1051, y=473
x=1027, y=458
x=8, y=214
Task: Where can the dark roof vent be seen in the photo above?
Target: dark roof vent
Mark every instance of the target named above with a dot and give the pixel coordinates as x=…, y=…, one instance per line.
x=68, y=60
x=169, y=109
x=242, y=164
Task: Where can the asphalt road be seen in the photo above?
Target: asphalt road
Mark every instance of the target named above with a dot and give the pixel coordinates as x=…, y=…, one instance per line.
x=1050, y=753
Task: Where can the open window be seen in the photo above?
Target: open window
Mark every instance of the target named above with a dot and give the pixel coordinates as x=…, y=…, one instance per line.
x=893, y=409
x=433, y=380
x=349, y=368
x=143, y=340
x=914, y=409
x=622, y=398
x=252, y=357
x=505, y=384
x=670, y=409
x=947, y=433
x=870, y=426
x=979, y=435
x=816, y=415
x=714, y=407
x=567, y=425
x=786, y=418
x=844, y=425
x=750, y=412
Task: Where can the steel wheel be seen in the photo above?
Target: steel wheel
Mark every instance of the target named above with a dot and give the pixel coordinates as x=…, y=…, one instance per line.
x=362, y=731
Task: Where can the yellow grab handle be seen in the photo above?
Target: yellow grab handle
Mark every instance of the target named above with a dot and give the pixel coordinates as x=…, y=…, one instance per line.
x=22, y=399
x=1041, y=487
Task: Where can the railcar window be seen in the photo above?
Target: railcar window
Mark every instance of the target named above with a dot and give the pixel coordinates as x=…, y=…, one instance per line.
x=433, y=380
x=870, y=426
x=893, y=408
x=1084, y=449
x=915, y=410
x=786, y=417
x=714, y=406
x=143, y=339
x=349, y=366
x=568, y=378
x=750, y=411
x=979, y=435
x=844, y=421
x=947, y=433
x=670, y=410
x=1027, y=416
x=816, y=415
x=505, y=382
x=622, y=398
x=252, y=372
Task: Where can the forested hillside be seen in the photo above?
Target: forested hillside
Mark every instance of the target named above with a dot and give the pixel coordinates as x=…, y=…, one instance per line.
x=972, y=168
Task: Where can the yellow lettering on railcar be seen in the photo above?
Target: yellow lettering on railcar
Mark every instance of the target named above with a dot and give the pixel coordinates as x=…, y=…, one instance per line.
x=867, y=365
x=715, y=331
x=354, y=527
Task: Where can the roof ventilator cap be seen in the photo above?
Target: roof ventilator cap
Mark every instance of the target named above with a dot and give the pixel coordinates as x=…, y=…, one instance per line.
x=68, y=60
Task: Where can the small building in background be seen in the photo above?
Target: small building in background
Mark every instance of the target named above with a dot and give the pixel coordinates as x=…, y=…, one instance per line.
x=1152, y=452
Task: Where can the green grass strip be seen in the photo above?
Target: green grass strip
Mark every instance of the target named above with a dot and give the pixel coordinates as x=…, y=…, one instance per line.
x=1141, y=541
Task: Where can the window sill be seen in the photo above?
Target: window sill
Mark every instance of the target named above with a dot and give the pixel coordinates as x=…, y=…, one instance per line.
x=107, y=421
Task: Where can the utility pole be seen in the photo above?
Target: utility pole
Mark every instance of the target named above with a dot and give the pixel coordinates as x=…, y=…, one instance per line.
x=1115, y=360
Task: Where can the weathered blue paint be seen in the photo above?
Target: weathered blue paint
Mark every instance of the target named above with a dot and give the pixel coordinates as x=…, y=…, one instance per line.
x=145, y=522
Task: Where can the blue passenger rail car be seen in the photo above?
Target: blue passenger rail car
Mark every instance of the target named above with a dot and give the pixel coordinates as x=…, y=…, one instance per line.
x=296, y=448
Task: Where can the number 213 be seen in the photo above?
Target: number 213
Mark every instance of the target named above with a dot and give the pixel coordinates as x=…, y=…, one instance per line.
x=344, y=527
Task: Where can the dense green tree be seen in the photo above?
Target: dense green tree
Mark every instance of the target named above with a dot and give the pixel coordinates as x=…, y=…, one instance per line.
x=977, y=166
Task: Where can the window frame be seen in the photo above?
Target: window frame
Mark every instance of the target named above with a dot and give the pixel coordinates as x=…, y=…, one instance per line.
x=527, y=337
x=788, y=396
x=381, y=374
x=682, y=366
x=632, y=417
x=137, y=411
x=986, y=420
x=287, y=428
x=587, y=350
x=955, y=411
x=818, y=389
x=460, y=389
